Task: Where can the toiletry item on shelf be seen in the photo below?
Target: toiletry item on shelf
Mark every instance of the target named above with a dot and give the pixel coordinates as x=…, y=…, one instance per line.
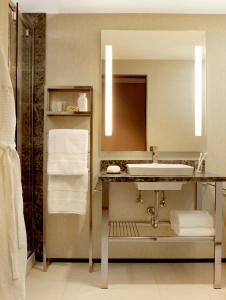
x=202, y=157
x=56, y=106
x=82, y=102
x=64, y=106
x=113, y=169
x=59, y=106
x=72, y=108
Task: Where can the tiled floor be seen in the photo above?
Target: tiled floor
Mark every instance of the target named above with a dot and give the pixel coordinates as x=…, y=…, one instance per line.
x=132, y=281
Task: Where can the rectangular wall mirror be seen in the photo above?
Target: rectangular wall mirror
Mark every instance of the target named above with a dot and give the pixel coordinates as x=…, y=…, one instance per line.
x=157, y=80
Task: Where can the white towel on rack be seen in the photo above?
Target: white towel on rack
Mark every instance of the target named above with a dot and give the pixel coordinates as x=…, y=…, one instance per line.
x=69, y=183
x=67, y=151
x=191, y=218
x=68, y=194
x=67, y=164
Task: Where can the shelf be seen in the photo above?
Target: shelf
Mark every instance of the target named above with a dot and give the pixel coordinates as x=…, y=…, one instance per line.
x=56, y=117
x=127, y=230
x=77, y=114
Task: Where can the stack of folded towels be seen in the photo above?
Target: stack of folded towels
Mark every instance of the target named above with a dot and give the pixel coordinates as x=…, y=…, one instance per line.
x=67, y=171
x=192, y=222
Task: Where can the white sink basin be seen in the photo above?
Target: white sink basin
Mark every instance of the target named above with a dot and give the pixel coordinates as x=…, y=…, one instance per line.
x=159, y=170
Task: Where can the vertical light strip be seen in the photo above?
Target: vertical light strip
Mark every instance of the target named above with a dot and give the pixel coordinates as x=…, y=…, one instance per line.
x=108, y=90
x=198, y=90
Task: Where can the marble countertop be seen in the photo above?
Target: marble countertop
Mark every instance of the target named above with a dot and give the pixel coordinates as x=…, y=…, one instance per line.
x=125, y=177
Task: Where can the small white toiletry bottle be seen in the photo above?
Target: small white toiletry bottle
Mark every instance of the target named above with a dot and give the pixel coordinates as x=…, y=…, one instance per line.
x=82, y=102
x=59, y=105
x=54, y=106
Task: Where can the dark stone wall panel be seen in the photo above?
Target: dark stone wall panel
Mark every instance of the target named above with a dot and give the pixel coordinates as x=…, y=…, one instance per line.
x=39, y=23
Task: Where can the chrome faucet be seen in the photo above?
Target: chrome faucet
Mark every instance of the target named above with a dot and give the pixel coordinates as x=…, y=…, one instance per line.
x=154, y=151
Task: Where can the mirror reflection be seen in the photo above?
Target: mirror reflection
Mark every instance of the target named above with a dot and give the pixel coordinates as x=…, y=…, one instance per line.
x=157, y=80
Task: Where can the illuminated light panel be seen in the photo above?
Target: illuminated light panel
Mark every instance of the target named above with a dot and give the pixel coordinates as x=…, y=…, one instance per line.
x=198, y=90
x=108, y=90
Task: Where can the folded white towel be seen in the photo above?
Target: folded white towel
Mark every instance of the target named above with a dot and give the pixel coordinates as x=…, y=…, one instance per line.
x=74, y=141
x=68, y=194
x=68, y=183
x=191, y=218
x=67, y=202
x=67, y=164
x=196, y=231
x=67, y=152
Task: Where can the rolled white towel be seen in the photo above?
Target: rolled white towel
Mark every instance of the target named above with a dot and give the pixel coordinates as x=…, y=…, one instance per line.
x=191, y=218
x=194, y=231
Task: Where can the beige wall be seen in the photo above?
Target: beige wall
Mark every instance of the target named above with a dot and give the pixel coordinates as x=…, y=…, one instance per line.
x=170, y=100
x=4, y=25
x=73, y=58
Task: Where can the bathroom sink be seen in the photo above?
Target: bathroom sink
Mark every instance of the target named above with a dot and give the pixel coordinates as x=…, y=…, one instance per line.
x=159, y=169
x=156, y=169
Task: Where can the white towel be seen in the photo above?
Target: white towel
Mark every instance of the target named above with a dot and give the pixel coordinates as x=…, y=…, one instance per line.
x=68, y=183
x=67, y=164
x=74, y=141
x=67, y=202
x=191, y=218
x=195, y=231
x=68, y=194
x=67, y=151
x=13, y=247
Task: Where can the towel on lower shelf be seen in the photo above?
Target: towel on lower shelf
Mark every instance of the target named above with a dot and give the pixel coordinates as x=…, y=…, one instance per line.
x=68, y=194
x=67, y=151
x=191, y=218
x=192, y=223
x=195, y=231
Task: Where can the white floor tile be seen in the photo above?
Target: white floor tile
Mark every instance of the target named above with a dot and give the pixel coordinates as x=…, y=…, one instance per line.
x=168, y=273
x=183, y=291
x=217, y=294
x=55, y=271
x=116, y=292
x=133, y=281
x=42, y=289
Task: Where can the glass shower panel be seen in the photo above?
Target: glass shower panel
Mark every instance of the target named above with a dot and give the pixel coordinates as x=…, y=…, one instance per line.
x=21, y=69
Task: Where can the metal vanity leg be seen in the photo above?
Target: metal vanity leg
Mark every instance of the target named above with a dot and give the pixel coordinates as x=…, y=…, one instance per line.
x=218, y=236
x=199, y=196
x=90, y=243
x=104, y=235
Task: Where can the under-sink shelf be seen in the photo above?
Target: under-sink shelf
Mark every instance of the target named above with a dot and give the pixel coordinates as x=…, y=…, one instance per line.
x=120, y=230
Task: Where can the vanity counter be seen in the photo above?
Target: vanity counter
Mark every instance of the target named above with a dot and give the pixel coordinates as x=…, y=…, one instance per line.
x=125, y=177
x=109, y=226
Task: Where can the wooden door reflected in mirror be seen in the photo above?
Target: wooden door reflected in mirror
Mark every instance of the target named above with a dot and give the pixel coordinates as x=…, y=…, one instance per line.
x=129, y=114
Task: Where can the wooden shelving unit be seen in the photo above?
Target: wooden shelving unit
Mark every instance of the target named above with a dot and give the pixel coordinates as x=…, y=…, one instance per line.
x=53, y=119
